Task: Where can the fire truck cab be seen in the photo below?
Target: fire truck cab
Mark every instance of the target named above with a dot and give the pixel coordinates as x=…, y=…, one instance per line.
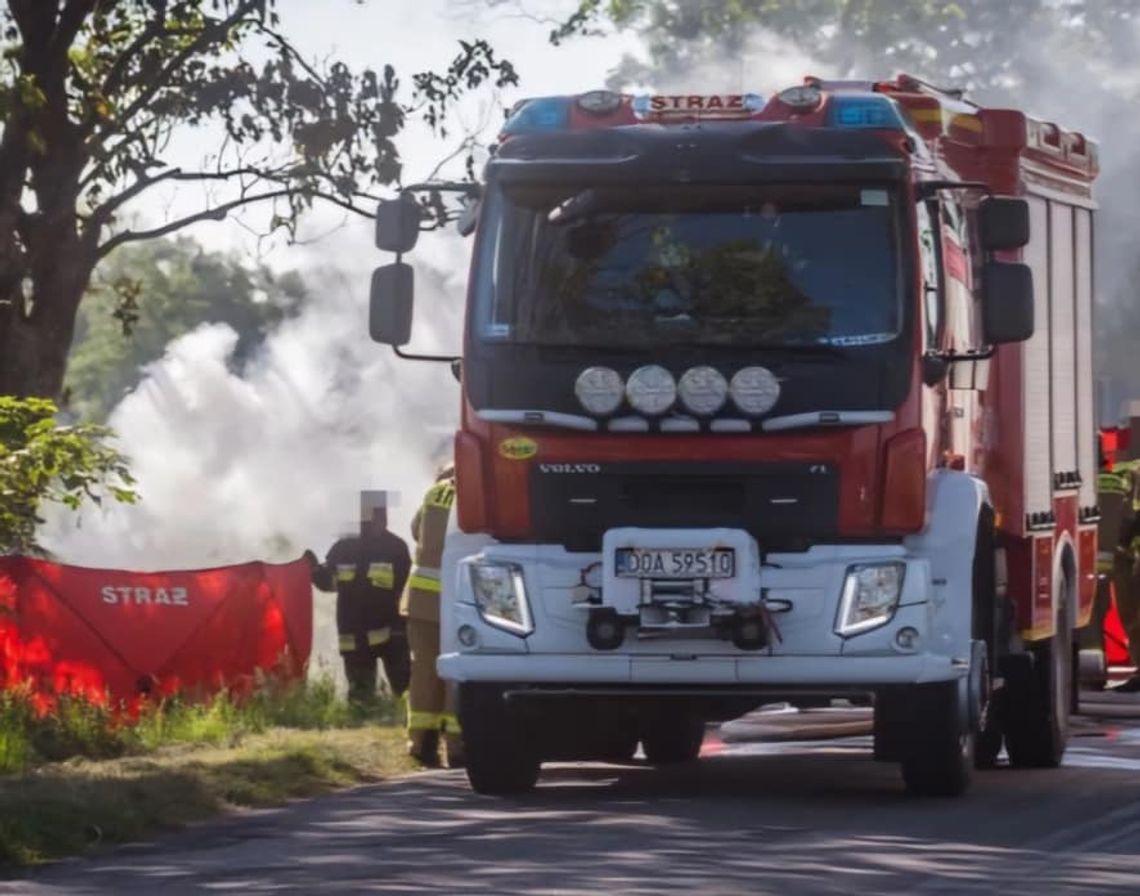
x=783, y=398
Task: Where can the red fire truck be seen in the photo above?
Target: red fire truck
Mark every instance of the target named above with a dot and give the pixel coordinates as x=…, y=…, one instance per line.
x=768, y=398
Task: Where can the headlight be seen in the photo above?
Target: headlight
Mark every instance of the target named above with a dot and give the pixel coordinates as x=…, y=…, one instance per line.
x=755, y=390
x=651, y=390
x=500, y=596
x=599, y=390
x=703, y=390
x=870, y=597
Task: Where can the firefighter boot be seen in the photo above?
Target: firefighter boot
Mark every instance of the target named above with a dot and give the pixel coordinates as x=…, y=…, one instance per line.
x=423, y=746
x=455, y=757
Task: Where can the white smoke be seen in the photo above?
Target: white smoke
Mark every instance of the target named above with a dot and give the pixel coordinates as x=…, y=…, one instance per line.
x=263, y=465
x=763, y=63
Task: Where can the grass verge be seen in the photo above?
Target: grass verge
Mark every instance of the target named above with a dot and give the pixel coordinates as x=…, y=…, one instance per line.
x=77, y=778
x=70, y=807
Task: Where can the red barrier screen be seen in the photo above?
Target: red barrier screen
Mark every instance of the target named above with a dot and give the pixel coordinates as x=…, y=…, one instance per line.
x=66, y=629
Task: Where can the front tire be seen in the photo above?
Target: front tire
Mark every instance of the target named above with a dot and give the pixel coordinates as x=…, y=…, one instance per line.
x=500, y=756
x=938, y=759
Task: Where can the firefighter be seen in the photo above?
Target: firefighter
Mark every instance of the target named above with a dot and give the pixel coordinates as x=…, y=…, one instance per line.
x=368, y=572
x=431, y=704
x=1126, y=565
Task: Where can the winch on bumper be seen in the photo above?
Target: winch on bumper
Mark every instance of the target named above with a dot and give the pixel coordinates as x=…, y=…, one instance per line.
x=698, y=607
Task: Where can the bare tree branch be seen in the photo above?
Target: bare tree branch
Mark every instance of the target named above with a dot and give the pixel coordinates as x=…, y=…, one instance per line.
x=217, y=213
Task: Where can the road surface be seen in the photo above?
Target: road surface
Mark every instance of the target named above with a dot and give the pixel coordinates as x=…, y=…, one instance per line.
x=777, y=815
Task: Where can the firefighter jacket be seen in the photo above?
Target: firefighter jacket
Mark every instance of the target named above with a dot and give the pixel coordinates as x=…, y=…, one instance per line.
x=429, y=528
x=1119, y=500
x=368, y=572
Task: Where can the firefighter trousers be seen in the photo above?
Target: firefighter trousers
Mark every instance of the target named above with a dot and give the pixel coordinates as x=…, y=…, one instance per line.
x=431, y=705
x=1127, y=578
x=361, y=672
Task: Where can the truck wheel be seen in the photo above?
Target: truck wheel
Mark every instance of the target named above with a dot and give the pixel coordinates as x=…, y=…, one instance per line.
x=668, y=740
x=986, y=627
x=500, y=756
x=938, y=759
x=1039, y=700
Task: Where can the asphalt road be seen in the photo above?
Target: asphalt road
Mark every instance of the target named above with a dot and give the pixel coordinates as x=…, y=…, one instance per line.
x=761, y=812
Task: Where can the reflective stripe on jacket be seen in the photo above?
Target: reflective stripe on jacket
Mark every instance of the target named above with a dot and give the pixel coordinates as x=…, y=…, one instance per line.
x=421, y=597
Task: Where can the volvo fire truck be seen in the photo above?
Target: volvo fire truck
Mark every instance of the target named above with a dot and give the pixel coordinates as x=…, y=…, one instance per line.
x=782, y=398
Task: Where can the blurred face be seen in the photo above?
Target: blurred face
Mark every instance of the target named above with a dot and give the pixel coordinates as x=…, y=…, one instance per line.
x=377, y=524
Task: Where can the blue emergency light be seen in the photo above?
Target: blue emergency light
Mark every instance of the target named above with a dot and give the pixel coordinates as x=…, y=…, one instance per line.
x=548, y=113
x=865, y=112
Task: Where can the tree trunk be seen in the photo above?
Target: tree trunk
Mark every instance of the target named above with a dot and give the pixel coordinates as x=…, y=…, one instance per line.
x=35, y=341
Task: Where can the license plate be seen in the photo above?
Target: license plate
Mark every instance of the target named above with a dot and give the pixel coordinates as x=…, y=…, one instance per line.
x=675, y=563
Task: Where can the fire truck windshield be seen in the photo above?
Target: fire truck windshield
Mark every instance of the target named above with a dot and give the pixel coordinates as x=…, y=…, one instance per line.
x=639, y=266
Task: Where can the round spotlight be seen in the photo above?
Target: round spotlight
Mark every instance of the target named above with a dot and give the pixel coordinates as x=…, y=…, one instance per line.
x=755, y=390
x=599, y=102
x=651, y=390
x=703, y=390
x=803, y=97
x=599, y=390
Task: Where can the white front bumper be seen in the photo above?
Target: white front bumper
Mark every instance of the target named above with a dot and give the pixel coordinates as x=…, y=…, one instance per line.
x=806, y=652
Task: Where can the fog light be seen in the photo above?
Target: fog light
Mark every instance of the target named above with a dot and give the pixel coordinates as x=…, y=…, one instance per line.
x=467, y=636
x=605, y=630
x=907, y=638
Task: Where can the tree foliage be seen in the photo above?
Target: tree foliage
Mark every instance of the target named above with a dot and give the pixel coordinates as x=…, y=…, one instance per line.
x=92, y=92
x=148, y=295
x=978, y=44
x=42, y=462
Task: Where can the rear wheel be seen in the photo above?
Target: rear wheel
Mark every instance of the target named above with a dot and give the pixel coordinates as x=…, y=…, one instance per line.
x=671, y=739
x=500, y=756
x=1040, y=696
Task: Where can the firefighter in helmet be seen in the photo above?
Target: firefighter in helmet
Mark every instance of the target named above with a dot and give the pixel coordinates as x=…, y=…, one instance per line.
x=368, y=572
x=1126, y=561
x=431, y=705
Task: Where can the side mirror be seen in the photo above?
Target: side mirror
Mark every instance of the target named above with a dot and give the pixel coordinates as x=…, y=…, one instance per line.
x=391, y=303
x=1003, y=222
x=398, y=224
x=1007, y=302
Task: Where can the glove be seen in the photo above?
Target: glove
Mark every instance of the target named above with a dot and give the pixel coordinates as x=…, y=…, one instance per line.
x=311, y=558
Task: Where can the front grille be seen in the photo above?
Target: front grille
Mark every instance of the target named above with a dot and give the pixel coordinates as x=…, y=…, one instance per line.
x=574, y=505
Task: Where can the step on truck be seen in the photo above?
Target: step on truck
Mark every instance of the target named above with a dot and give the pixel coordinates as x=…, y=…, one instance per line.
x=780, y=398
